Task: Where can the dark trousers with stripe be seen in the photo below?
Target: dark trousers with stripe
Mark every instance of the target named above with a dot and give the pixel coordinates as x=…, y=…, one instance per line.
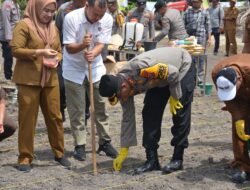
x=154, y=104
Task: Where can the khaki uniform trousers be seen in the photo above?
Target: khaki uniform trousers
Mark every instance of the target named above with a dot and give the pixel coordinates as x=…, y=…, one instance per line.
x=75, y=99
x=29, y=100
x=231, y=39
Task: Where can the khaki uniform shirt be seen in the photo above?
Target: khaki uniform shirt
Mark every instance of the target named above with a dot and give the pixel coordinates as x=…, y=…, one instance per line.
x=147, y=19
x=178, y=61
x=172, y=25
x=28, y=68
x=230, y=13
x=10, y=16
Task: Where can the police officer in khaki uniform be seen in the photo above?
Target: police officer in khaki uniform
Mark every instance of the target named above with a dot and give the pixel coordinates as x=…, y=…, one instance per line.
x=172, y=22
x=10, y=15
x=246, y=36
x=230, y=17
x=145, y=17
x=164, y=74
x=118, y=17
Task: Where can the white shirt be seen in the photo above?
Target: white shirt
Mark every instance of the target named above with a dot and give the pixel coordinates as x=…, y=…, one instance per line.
x=75, y=27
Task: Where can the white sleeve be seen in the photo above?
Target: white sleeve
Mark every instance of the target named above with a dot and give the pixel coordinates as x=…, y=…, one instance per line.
x=105, y=35
x=69, y=29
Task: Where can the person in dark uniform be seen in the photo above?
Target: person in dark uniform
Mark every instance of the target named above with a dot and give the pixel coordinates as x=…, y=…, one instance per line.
x=164, y=74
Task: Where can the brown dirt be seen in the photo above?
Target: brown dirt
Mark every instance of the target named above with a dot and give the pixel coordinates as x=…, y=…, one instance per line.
x=205, y=162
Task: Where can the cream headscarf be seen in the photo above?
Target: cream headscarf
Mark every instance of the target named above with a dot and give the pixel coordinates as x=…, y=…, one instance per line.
x=44, y=31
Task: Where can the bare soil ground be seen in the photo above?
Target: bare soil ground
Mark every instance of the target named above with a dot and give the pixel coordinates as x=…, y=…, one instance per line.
x=205, y=162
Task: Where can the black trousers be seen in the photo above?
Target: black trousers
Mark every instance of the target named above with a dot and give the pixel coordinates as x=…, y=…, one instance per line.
x=154, y=104
x=216, y=34
x=8, y=60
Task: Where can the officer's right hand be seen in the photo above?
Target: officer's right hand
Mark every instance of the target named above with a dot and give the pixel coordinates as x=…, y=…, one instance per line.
x=117, y=164
x=87, y=40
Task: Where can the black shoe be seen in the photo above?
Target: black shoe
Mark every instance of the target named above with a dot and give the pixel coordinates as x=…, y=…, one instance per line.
x=79, y=153
x=24, y=168
x=239, y=177
x=108, y=149
x=226, y=55
x=64, y=162
x=173, y=166
x=151, y=164
x=215, y=53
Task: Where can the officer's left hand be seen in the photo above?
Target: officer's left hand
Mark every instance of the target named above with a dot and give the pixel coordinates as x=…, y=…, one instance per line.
x=174, y=104
x=117, y=164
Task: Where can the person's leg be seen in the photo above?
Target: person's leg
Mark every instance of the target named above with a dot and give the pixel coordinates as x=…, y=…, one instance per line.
x=101, y=121
x=8, y=60
x=182, y=122
x=75, y=94
x=154, y=104
x=232, y=39
x=50, y=106
x=28, y=106
x=216, y=40
x=62, y=91
x=87, y=106
x=9, y=128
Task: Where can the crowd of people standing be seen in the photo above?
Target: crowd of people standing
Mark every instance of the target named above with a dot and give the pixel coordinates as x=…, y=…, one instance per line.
x=51, y=72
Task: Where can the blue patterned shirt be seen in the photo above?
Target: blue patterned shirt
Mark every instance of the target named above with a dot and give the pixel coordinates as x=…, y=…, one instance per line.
x=199, y=20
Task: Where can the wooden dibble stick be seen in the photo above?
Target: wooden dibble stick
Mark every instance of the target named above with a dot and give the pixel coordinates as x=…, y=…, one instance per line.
x=92, y=116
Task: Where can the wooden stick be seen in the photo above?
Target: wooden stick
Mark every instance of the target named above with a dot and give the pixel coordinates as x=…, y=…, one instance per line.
x=92, y=117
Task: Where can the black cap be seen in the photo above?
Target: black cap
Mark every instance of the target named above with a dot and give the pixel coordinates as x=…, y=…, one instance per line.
x=228, y=73
x=159, y=4
x=108, y=85
x=141, y=2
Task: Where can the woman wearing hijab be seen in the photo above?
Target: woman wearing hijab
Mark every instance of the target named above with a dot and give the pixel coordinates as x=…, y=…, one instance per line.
x=36, y=46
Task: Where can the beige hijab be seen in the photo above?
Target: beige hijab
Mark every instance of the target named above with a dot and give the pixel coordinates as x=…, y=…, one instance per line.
x=44, y=31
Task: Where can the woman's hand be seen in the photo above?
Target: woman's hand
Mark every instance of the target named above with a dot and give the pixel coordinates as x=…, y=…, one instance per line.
x=48, y=53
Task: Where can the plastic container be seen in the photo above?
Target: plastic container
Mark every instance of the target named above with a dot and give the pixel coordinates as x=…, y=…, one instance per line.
x=132, y=32
x=149, y=45
x=208, y=88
